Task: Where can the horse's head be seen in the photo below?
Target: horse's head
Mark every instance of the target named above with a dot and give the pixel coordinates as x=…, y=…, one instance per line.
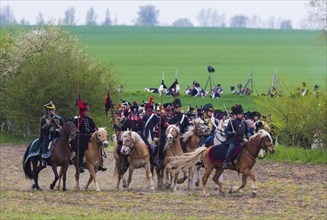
x=128, y=142
x=266, y=142
x=172, y=132
x=69, y=129
x=101, y=137
x=200, y=128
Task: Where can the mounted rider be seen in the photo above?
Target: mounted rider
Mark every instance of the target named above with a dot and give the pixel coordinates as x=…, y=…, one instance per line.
x=86, y=128
x=166, y=119
x=209, y=120
x=182, y=118
x=235, y=132
x=50, y=124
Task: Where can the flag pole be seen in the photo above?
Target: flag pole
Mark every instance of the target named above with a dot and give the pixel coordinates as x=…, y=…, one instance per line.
x=160, y=116
x=78, y=124
x=112, y=114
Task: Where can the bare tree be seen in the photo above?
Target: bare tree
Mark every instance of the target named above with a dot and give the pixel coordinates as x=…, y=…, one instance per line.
x=286, y=24
x=209, y=17
x=147, y=16
x=91, y=17
x=7, y=16
x=182, y=22
x=107, y=20
x=69, y=16
x=239, y=21
x=39, y=19
x=24, y=22
x=317, y=14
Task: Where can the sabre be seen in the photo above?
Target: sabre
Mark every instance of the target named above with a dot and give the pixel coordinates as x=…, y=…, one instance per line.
x=229, y=117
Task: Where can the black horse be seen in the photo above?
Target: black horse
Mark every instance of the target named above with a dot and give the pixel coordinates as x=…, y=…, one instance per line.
x=59, y=157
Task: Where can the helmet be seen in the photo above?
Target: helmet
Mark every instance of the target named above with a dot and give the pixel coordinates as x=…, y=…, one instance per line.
x=50, y=105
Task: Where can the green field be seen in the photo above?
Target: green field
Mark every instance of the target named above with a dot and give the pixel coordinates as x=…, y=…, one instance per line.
x=140, y=54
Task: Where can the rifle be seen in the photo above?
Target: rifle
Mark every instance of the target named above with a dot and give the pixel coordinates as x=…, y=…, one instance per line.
x=229, y=117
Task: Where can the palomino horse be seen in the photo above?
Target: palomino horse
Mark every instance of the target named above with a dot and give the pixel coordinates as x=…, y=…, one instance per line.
x=138, y=156
x=172, y=148
x=93, y=156
x=59, y=157
x=251, y=149
x=192, y=138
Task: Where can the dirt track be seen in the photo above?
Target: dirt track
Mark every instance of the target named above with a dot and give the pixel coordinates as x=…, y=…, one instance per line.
x=284, y=191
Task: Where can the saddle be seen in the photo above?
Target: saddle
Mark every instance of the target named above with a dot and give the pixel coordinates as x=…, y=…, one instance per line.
x=218, y=153
x=37, y=148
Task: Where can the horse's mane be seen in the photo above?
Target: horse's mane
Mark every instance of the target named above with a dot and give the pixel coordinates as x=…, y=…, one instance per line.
x=188, y=133
x=99, y=130
x=190, y=130
x=167, y=145
x=262, y=133
x=174, y=126
x=135, y=137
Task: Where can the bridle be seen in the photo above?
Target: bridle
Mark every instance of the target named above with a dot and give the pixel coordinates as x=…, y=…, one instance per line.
x=262, y=145
x=99, y=142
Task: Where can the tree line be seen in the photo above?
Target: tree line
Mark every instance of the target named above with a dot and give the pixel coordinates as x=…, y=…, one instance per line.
x=148, y=16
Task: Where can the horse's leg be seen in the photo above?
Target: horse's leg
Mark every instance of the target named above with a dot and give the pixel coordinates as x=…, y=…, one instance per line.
x=149, y=174
x=56, y=176
x=77, y=187
x=218, y=183
x=244, y=178
x=118, y=172
x=159, y=177
x=207, y=172
x=175, y=180
x=197, y=183
x=245, y=174
x=64, y=177
x=59, y=181
x=35, y=173
x=130, y=173
x=169, y=178
x=190, y=178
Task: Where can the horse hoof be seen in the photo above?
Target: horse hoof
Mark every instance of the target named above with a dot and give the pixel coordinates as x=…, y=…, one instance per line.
x=152, y=189
x=51, y=186
x=230, y=191
x=98, y=190
x=254, y=194
x=197, y=183
x=33, y=186
x=167, y=186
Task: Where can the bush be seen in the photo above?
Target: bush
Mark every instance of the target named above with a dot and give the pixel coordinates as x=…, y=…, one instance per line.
x=49, y=65
x=301, y=119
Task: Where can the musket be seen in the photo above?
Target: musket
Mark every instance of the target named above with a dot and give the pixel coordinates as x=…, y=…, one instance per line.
x=229, y=117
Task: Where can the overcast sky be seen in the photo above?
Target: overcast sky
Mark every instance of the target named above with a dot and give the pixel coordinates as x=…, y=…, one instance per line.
x=126, y=11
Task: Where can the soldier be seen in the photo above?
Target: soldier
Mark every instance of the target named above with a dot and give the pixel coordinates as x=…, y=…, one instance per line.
x=166, y=119
x=86, y=128
x=182, y=118
x=209, y=119
x=50, y=124
x=235, y=132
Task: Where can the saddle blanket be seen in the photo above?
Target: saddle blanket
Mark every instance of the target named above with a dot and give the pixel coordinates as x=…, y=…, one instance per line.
x=218, y=153
x=36, y=149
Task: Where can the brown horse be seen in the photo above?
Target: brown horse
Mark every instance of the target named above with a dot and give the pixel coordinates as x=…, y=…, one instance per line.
x=59, y=157
x=192, y=138
x=93, y=157
x=251, y=149
x=138, y=156
x=172, y=148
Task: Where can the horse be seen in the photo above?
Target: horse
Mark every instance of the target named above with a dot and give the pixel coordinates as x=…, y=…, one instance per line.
x=93, y=157
x=172, y=148
x=138, y=156
x=59, y=157
x=244, y=165
x=192, y=138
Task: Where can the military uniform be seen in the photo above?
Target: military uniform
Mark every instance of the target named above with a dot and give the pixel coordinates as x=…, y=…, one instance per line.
x=182, y=119
x=235, y=132
x=207, y=139
x=50, y=124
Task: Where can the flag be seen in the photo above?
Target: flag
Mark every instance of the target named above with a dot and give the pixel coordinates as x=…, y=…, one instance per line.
x=80, y=106
x=107, y=102
x=162, y=86
x=174, y=88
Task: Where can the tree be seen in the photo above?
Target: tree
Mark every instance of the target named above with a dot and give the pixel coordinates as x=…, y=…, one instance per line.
x=69, y=16
x=182, y=22
x=40, y=20
x=24, y=22
x=51, y=64
x=239, y=21
x=147, y=16
x=286, y=24
x=107, y=20
x=317, y=16
x=91, y=17
x=7, y=16
x=209, y=17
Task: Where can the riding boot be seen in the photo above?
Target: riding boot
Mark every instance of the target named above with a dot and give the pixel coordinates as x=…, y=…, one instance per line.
x=228, y=155
x=125, y=165
x=102, y=168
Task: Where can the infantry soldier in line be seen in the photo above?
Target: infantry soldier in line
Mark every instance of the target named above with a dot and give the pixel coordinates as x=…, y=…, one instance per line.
x=235, y=132
x=86, y=128
x=50, y=124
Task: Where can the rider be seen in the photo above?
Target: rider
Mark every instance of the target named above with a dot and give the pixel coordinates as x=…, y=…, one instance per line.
x=235, y=132
x=86, y=128
x=209, y=119
x=50, y=124
x=182, y=118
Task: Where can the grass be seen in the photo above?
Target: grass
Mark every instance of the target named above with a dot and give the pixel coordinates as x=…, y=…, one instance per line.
x=6, y=138
x=140, y=54
x=299, y=155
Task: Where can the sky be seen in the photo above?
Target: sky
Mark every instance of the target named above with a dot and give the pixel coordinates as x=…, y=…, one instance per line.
x=126, y=11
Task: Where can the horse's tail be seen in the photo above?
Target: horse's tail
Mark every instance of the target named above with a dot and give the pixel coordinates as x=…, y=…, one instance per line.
x=116, y=170
x=27, y=164
x=188, y=160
